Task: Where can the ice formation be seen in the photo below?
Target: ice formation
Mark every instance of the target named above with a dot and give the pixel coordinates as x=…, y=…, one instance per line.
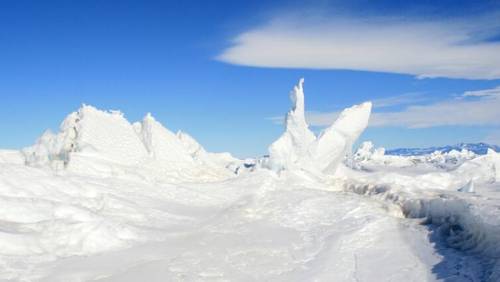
x=99, y=142
x=162, y=144
x=88, y=131
x=368, y=157
x=299, y=148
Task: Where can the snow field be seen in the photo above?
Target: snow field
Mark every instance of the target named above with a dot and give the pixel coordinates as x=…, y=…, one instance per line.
x=108, y=200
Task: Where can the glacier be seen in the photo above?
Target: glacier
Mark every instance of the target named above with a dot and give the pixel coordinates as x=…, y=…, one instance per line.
x=105, y=199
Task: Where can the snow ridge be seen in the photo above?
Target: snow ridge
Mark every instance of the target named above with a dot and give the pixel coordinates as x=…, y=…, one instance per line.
x=94, y=141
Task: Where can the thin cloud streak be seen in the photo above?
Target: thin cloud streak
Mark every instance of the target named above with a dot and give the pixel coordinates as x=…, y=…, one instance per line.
x=424, y=49
x=324, y=119
x=404, y=99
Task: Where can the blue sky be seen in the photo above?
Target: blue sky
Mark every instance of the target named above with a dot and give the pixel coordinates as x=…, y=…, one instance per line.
x=222, y=70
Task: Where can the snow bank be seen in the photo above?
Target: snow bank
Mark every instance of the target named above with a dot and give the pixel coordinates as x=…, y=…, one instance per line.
x=299, y=149
x=460, y=202
x=469, y=225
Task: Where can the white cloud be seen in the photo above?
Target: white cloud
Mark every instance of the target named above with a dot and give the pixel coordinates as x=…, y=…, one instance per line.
x=473, y=108
x=424, y=49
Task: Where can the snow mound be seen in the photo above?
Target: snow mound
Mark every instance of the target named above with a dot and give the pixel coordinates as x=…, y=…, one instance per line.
x=299, y=149
x=367, y=151
x=91, y=141
x=483, y=169
x=88, y=131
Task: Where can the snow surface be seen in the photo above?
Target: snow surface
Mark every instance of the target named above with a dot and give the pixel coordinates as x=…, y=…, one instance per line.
x=107, y=200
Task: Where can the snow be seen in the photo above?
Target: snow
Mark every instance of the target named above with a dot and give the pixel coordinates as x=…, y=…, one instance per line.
x=162, y=144
x=468, y=188
x=368, y=157
x=291, y=150
x=96, y=142
x=109, y=200
x=461, y=201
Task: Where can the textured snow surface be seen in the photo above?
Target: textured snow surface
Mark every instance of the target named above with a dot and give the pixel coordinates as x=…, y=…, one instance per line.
x=255, y=227
x=107, y=200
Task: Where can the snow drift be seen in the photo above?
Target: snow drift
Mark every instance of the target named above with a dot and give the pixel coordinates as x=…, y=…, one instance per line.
x=299, y=148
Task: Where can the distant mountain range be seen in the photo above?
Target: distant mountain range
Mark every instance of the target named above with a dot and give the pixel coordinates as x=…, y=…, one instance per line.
x=478, y=148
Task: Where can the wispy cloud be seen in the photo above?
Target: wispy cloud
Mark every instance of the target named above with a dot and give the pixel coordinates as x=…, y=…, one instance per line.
x=404, y=99
x=473, y=108
x=422, y=48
